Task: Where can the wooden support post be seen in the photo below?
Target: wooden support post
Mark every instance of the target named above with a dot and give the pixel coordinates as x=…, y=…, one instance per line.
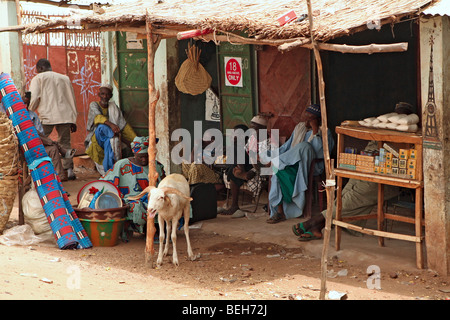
x=153, y=97
x=330, y=182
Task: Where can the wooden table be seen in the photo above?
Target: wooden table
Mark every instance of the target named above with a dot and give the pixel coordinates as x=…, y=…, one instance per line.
x=382, y=136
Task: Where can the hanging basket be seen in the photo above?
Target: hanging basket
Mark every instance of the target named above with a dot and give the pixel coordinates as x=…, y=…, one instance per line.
x=192, y=78
x=9, y=157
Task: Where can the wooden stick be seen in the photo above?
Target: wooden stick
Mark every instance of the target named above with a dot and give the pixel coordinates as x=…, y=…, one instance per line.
x=19, y=34
x=330, y=185
x=153, y=98
x=343, y=48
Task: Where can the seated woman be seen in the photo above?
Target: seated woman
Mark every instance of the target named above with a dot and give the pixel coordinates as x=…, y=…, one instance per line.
x=200, y=172
x=292, y=165
x=105, y=123
x=130, y=175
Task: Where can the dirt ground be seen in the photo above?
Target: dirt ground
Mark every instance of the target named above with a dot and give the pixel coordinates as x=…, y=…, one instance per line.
x=236, y=259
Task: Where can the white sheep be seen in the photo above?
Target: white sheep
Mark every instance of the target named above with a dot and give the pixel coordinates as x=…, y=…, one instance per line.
x=171, y=201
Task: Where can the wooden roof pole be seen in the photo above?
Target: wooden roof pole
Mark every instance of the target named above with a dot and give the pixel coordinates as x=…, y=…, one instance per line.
x=330, y=185
x=153, y=97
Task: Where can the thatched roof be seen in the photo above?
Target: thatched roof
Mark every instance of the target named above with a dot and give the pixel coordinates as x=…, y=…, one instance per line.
x=332, y=18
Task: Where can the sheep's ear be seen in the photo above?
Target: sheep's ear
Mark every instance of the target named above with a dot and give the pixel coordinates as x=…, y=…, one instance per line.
x=143, y=193
x=175, y=191
x=167, y=199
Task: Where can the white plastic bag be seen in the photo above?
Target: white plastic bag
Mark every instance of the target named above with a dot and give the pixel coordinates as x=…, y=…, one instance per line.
x=23, y=236
x=33, y=212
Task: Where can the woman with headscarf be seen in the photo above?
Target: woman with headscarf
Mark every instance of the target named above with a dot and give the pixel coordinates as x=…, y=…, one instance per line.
x=292, y=165
x=105, y=123
x=130, y=176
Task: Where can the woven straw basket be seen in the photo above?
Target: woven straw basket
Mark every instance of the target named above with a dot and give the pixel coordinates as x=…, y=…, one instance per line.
x=192, y=78
x=9, y=157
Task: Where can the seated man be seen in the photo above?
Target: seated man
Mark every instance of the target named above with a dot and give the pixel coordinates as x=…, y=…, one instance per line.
x=105, y=123
x=54, y=150
x=358, y=198
x=239, y=173
x=291, y=167
x=130, y=176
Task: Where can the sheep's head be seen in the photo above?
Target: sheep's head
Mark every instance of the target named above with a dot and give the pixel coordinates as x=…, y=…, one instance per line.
x=155, y=202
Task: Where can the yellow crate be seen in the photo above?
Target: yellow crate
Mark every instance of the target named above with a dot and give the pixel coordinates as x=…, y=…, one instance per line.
x=411, y=173
x=413, y=154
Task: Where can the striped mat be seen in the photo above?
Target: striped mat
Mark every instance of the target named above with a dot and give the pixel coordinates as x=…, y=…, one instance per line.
x=65, y=225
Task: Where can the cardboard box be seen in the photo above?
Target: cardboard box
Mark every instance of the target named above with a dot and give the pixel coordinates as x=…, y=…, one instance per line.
x=388, y=171
x=403, y=154
x=402, y=163
x=389, y=156
x=411, y=164
x=376, y=169
x=402, y=172
x=388, y=164
x=413, y=154
x=394, y=163
x=395, y=171
x=411, y=173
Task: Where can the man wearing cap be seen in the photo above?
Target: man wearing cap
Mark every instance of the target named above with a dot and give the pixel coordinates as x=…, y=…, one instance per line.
x=52, y=96
x=130, y=176
x=359, y=197
x=105, y=124
x=292, y=165
x=239, y=173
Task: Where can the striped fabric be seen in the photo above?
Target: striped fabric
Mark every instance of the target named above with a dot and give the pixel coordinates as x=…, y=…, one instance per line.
x=65, y=225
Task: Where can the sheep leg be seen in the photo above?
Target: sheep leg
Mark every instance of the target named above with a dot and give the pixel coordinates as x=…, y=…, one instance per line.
x=168, y=230
x=161, y=240
x=187, y=213
x=174, y=241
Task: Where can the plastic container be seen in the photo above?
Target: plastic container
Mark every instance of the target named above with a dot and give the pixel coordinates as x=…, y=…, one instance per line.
x=103, y=233
x=108, y=200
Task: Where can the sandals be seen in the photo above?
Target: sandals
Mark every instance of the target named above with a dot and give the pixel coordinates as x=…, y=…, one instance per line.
x=228, y=212
x=298, y=229
x=276, y=218
x=311, y=237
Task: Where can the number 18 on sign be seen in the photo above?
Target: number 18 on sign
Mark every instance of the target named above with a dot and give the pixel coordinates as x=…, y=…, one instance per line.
x=233, y=72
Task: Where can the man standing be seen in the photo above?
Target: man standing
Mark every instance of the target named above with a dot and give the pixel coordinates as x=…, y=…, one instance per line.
x=53, y=97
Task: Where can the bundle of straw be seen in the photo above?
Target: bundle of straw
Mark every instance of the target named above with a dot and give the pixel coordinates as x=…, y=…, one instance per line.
x=9, y=158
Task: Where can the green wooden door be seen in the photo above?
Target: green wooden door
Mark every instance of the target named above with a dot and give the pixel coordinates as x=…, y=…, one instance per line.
x=236, y=97
x=131, y=76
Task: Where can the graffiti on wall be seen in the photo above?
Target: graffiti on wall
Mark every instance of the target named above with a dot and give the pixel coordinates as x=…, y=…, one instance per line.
x=431, y=135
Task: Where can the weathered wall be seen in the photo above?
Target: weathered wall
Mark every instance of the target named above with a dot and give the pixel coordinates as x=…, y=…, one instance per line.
x=110, y=65
x=435, y=83
x=9, y=49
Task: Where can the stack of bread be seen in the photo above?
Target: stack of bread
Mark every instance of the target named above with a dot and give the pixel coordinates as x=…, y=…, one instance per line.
x=393, y=121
